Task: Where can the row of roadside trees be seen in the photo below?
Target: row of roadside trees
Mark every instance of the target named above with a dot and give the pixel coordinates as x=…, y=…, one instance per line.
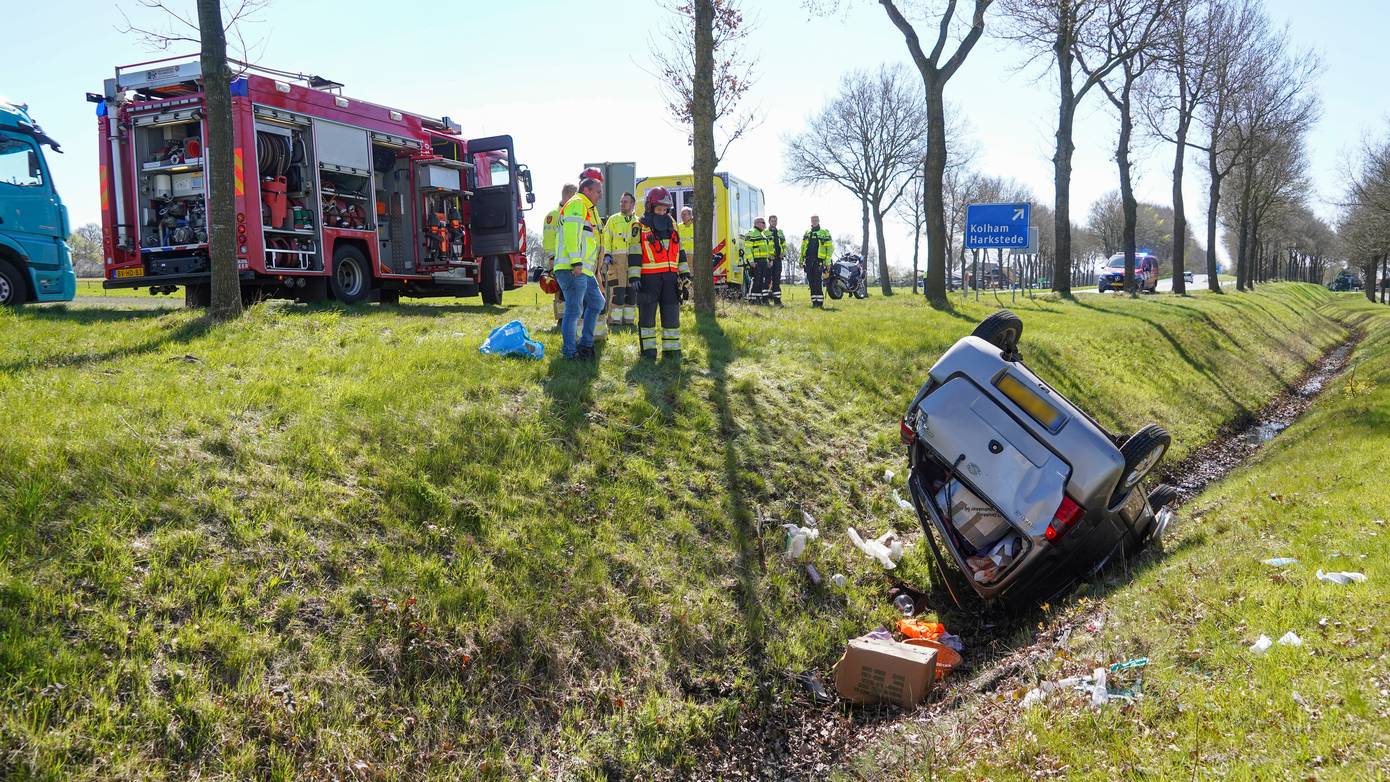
x=1214, y=79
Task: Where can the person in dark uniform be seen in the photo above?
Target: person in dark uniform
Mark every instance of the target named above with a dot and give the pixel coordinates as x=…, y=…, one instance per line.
x=816, y=248
x=655, y=272
x=778, y=241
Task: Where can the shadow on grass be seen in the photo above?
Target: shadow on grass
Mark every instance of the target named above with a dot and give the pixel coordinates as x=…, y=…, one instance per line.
x=178, y=336
x=722, y=353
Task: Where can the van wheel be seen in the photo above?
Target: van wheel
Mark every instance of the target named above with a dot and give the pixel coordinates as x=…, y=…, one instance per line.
x=1002, y=329
x=1162, y=496
x=1142, y=451
x=12, y=288
x=352, y=278
x=492, y=284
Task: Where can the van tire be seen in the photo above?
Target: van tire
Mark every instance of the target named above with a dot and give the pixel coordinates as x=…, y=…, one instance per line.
x=1142, y=452
x=490, y=283
x=1162, y=496
x=1002, y=329
x=13, y=290
x=351, y=280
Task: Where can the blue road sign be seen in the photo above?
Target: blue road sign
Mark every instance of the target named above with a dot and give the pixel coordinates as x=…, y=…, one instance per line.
x=997, y=225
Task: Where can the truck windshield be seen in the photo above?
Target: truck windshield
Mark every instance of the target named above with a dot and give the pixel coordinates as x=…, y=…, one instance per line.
x=19, y=163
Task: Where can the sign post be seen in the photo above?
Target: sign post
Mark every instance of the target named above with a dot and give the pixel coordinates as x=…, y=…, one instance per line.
x=1001, y=227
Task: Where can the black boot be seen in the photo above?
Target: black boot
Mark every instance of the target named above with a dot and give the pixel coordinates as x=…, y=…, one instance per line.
x=673, y=356
x=587, y=353
x=649, y=353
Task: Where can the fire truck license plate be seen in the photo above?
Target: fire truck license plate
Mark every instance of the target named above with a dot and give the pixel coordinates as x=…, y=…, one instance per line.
x=130, y=273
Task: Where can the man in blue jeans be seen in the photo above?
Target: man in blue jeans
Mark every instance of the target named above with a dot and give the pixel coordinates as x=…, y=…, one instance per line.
x=577, y=247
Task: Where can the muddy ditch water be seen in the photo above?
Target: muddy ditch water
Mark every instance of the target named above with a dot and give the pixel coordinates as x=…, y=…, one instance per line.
x=800, y=739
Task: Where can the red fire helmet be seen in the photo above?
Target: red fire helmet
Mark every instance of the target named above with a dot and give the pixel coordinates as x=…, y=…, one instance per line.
x=658, y=195
x=591, y=173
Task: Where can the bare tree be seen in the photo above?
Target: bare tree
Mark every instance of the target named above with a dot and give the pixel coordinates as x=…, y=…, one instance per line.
x=1107, y=222
x=936, y=69
x=870, y=139
x=704, y=77
x=1134, y=32
x=960, y=153
x=1184, y=67
x=210, y=32
x=1075, y=34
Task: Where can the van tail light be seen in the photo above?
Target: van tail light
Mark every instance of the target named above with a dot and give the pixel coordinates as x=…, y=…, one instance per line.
x=1068, y=513
x=906, y=432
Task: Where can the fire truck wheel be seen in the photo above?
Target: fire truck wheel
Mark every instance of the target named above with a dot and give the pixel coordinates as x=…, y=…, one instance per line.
x=12, y=289
x=351, y=280
x=197, y=295
x=492, y=283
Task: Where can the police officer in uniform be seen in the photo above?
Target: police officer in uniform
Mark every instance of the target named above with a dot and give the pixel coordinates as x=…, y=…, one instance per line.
x=655, y=271
x=759, y=250
x=778, y=242
x=816, y=248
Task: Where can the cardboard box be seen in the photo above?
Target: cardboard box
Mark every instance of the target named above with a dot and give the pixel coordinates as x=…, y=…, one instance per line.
x=976, y=520
x=878, y=671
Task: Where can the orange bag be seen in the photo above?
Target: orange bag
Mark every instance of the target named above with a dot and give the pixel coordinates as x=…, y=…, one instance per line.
x=916, y=628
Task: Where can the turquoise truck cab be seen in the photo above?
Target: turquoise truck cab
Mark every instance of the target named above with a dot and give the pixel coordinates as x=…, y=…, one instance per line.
x=34, y=260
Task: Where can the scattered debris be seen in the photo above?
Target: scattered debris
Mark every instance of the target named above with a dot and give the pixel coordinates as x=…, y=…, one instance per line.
x=1261, y=644
x=902, y=503
x=1281, y=561
x=888, y=476
x=1290, y=639
x=512, y=339
x=807, y=519
x=795, y=539
x=905, y=605
x=838, y=579
x=1341, y=577
x=1129, y=665
x=812, y=681
x=875, y=549
x=813, y=574
x=873, y=670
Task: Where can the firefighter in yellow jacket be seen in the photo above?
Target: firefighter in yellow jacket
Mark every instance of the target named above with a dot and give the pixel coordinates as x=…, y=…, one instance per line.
x=655, y=272
x=617, y=241
x=548, y=233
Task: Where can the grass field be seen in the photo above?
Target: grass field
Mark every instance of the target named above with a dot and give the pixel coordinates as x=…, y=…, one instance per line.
x=1212, y=708
x=338, y=542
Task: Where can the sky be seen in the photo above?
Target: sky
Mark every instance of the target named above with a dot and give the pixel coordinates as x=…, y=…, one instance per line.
x=574, y=87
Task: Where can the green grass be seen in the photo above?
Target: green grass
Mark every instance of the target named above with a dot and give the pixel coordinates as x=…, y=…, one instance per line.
x=1211, y=707
x=322, y=537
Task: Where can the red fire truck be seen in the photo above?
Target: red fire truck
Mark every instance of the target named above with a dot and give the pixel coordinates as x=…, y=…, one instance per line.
x=334, y=196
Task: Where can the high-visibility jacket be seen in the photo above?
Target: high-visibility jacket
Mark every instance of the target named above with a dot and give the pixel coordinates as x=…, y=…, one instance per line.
x=757, y=245
x=687, y=234
x=776, y=243
x=550, y=230
x=659, y=243
x=618, y=242
x=578, y=242
x=824, y=248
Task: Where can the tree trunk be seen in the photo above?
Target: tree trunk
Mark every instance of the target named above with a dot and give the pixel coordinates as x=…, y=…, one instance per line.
x=1061, y=164
x=916, y=247
x=885, y=280
x=864, y=215
x=933, y=197
x=702, y=122
x=1129, y=205
x=1179, y=212
x=1213, y=201
x=1243, y=238
x=221, y=216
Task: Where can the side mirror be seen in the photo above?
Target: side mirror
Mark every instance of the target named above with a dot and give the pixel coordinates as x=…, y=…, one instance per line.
x=530, y=198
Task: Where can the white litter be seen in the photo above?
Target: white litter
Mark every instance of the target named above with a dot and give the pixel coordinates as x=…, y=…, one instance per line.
x=838, y=579
x=888, y=476
x=797, y=538
x=1099, y=695
x=1290, y=639
x=808, y=519
x=1261, y=645
x=1281, y=561
x=1341, y=577
x=1033, y=697
x=873, y=549
x=902, y=503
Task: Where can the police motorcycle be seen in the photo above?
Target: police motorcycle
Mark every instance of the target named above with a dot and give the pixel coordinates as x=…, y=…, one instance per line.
x=846, y=275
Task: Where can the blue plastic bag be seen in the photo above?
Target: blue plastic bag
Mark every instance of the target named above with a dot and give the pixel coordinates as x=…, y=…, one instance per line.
x=512, y=339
